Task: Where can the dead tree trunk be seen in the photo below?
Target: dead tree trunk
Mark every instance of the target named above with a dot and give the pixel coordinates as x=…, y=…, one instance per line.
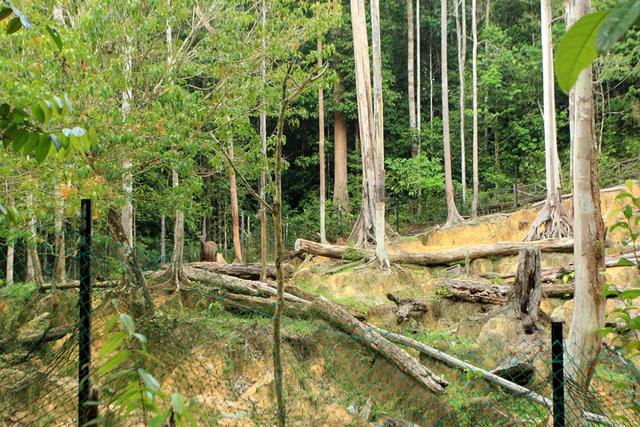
x=114, y=221
x=342, y=320
x=527, y=289
x=437, y=257
x=59, y=265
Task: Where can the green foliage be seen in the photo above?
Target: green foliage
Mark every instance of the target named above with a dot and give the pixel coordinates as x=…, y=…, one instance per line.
x=130, y=389
x=592, y=35
x=628, y=328
x=353, y=254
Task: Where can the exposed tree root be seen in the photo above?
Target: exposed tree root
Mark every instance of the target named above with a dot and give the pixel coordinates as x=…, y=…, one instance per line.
x=552, y=222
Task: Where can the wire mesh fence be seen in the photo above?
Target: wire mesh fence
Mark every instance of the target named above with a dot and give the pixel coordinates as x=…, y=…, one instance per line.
x=204, y=355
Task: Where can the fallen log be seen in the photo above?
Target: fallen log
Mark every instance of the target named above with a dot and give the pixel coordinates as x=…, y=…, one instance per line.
x=467, y=367
x=243, y=271
x=75, y=284
x=473, y=292
x=435, y=258
x=486, y=293
x=342, y=320
x=551, y=275
x=236, y=285
x=255, y=296
x=51, y=334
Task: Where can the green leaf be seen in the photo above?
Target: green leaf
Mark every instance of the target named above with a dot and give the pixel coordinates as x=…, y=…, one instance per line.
x=37, y=112
x=149, y=380
x=577, y=50
x=55, y=36
x=46, y=109
x=630, y=293
x=112, y=343
x=127, y=324
x=20, y=139
x=31, y=143
x=4, y=109
x=42, y=149
x=158, y=420
x=616, y=24
x=14, y=25
x=56, y=141
x=624, y=195
x=177, y=403
x=67, y=103
x=627, y=211
x=5, y=13
x=115, y=361
x=624, y=262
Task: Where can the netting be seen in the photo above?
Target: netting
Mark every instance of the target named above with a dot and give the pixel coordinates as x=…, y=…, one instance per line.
x=213, y=347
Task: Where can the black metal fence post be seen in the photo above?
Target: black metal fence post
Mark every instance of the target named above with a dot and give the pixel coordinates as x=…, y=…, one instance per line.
x=84, y=313
x=557, y=368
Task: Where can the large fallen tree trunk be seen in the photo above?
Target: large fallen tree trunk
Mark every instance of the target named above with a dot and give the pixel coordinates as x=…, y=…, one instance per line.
x=486, y=293
x=243, y=271
x=467, y=367
x=257, y=297
x=342, y=320
x=551, y=275
x=436, y=258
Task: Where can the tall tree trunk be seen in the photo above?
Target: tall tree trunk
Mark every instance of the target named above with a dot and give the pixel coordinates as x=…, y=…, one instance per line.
x=178, y=231
x=453, y=216
x=474, y=89
x=163, y=239
x=59, y=265
x=378, y=136
x=323, y=191
x=235, y=218
x=32, y=245
x=370, y=224
x=340, y=185
x=584, y=342
x=553, y=220
x=263, y=153
x=10, y=246
x=418, y=83
x=570, y=19
x=411, y=74
x=461, y=36
x=127, y=183
x=431, y=84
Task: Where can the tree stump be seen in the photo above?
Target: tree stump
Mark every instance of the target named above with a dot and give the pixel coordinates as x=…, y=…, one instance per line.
x=527, y=290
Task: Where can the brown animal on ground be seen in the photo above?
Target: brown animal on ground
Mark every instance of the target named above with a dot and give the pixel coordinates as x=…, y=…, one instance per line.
x=208, y=249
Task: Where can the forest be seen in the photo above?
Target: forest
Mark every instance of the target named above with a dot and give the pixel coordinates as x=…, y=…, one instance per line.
x=320, y=212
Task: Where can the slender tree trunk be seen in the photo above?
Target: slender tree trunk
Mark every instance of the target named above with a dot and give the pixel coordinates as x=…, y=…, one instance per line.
x=461, y=36
x=453, y=216
x=474, y=89
x=32, y=245
x=263, y=153
x=340, y=185
x=570, y=19
x=323, y=191
x=553, y=220
x=370, y=225
x=163, y=239
x=378, y=136
x=59, y=265
x=178, y=230
x=235, y=219
x=418, y=83
x=10, y=246
x=584, y=342
x=411, y=74
x=431, y=84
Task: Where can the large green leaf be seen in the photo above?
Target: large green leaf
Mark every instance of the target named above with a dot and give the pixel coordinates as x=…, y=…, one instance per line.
x=55, y=36
x=5, y=13
x=42, y=149
x=616, y=24
x=577, y=49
